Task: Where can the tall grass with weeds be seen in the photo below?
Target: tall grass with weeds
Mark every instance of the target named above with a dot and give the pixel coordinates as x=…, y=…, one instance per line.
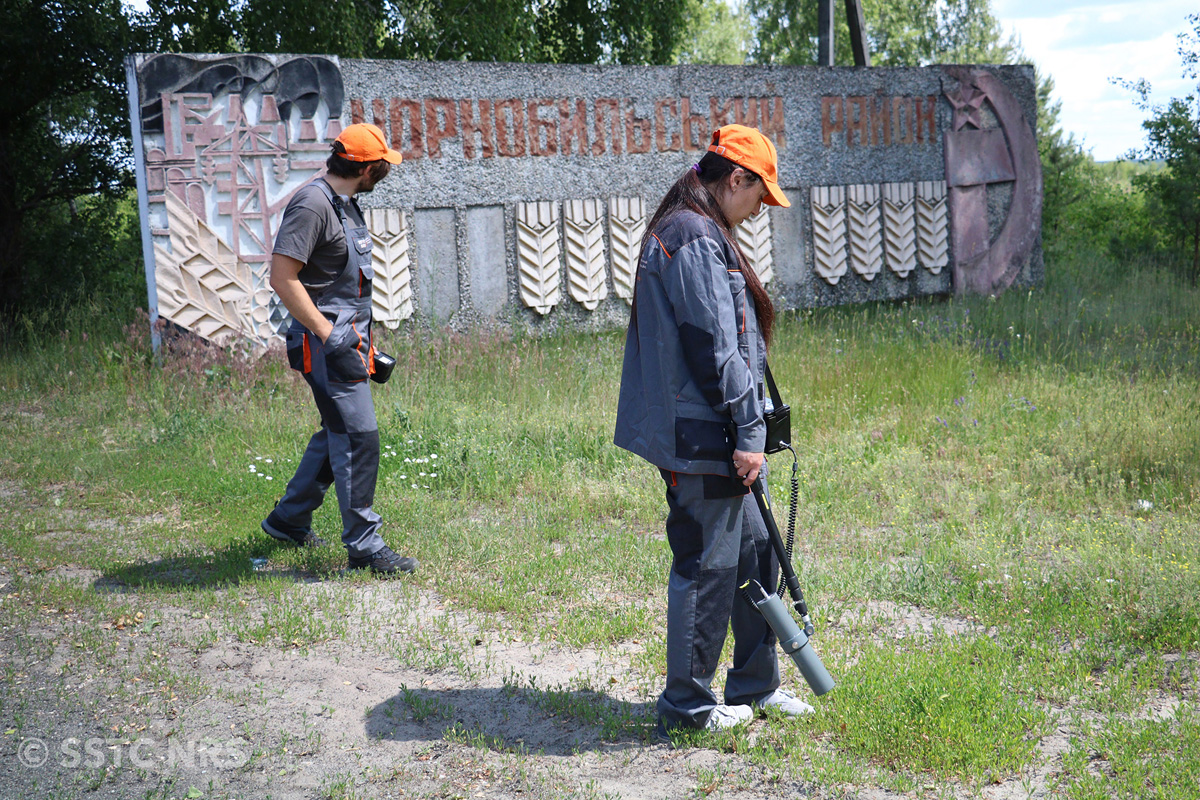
x=1016, y=478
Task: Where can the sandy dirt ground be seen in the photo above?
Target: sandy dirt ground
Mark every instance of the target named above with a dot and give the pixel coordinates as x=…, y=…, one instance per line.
x=423, y=703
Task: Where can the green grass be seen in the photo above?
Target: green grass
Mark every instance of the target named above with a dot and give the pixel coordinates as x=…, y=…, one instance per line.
x=1020, y=473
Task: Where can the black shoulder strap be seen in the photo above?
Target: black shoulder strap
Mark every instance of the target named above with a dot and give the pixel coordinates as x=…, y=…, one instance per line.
x=334, y=198
x=772, y=388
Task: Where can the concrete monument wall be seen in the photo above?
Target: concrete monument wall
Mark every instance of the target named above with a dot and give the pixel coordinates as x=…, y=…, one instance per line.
x=525, y=189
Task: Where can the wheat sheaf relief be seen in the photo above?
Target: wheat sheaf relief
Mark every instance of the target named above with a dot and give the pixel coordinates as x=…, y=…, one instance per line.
x=583, y=224
x=933, y=233
x=754, y=237
x=391, y=296
x=626, y=226
x=829, y=232
x=537, y=256
x=866, y=231
x=202, y=286
x=899, y=228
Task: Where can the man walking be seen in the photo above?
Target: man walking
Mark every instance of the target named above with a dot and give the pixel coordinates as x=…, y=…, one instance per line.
x=321, y=270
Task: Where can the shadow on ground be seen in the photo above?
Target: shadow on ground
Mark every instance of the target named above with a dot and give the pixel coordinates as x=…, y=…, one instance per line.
x=513, y=720
x=244, y=560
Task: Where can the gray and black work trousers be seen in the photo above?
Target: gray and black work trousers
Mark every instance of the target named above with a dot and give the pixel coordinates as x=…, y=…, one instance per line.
x=719, y=542
x=343, y=453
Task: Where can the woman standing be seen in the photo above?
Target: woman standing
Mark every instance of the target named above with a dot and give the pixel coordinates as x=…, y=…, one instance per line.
x=691, y=403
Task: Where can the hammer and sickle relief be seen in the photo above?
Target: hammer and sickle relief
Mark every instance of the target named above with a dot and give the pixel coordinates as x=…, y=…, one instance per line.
x=977, y=156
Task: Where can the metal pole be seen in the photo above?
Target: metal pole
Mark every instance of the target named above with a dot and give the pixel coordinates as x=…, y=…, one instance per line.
x=824, y=33
x=785, y=565
x=858, y=33
x=139, y=166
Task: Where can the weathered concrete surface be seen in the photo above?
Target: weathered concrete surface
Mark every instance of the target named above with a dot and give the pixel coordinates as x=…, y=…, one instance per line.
x=480, y=139
x=841, y=126
x=487, y=264
x=437, y=264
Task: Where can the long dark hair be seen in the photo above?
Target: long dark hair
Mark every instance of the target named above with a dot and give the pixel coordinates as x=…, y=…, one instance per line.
x=692, y=192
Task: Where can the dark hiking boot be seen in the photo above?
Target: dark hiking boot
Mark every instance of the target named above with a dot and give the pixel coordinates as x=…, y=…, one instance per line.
x=384, y=562
x=301, y=537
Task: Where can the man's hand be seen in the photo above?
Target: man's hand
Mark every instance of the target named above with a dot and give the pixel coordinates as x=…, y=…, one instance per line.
x=747, y=465
x=285, y=280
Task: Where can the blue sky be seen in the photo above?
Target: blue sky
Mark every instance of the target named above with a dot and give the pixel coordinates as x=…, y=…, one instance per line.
x=1082, y=43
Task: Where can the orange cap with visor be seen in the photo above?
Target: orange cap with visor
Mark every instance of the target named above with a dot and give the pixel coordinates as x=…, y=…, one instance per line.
x=749, y=149
x=364, y=142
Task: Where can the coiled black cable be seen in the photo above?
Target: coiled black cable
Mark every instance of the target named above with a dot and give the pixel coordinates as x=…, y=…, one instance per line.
x=793, y=502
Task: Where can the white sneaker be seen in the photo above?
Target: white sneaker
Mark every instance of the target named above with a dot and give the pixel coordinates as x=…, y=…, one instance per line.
x=786, y=702
x=724, y=717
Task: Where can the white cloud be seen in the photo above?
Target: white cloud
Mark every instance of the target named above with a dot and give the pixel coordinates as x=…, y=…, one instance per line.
x=1082, y=44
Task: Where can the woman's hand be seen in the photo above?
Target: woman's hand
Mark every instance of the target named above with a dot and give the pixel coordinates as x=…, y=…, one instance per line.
x=747, y=465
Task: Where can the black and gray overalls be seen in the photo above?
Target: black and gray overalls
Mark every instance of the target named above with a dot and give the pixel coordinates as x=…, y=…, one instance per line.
x=345, y=451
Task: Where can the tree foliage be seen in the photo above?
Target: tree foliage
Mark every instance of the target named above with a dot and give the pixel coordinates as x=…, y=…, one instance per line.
x=899, y=32
x=64, y=130
x=1173, y=137
x=714, y=33
x=547, y=31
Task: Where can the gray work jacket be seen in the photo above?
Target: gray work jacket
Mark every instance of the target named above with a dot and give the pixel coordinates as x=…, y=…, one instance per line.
x=694, y=355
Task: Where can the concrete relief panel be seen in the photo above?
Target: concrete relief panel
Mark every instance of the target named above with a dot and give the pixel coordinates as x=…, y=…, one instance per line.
x=983, y=149
x=913, y=169
x=538, y=256
x=626, y=226
x=583, y=224
x=486, y=267
x=202, y=285
x=899, y=228
x=391, y=294
x=754, y=237
x=829, y=232
x=933, y=230
x=865, y=239
x=788, y=245
x=437, y=263
x=232, y=138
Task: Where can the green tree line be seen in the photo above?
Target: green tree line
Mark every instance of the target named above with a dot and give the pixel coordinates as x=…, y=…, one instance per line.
x=68, y=229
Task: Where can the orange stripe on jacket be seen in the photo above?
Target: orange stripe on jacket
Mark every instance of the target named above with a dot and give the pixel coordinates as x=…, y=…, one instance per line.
x=660, y=244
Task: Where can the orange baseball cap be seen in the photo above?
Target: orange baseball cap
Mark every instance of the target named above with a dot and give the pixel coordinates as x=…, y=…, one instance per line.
x=749, y=149
x=365, y=142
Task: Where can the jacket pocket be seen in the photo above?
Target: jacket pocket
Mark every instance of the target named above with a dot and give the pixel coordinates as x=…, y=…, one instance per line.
x=701, y=440
x=363, y=246
x=345, y=352
x=295, y=350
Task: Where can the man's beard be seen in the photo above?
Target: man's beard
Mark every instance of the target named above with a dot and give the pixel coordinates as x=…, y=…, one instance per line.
x=373, y=175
